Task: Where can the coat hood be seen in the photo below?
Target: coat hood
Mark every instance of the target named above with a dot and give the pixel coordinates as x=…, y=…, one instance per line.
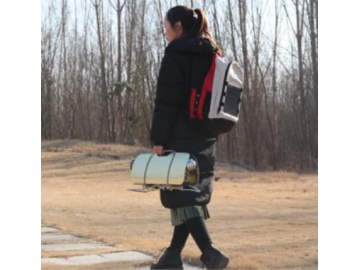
x=191, y=45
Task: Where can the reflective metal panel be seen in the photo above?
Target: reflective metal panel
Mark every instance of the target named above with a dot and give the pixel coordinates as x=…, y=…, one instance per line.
x=151, y=169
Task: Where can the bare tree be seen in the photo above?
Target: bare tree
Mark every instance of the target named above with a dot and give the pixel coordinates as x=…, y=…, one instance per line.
x=246, y=68
x=272, y=121
x=104, y=117
x=99, y=74
x=118, y=115
x=232, y=26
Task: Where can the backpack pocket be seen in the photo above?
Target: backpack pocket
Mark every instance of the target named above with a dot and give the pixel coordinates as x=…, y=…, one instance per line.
x=232, y=101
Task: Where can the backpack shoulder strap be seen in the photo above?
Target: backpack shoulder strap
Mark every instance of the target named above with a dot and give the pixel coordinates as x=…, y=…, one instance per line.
x=201, y=83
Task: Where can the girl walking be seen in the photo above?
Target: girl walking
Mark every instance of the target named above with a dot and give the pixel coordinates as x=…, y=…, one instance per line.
x=189, y=40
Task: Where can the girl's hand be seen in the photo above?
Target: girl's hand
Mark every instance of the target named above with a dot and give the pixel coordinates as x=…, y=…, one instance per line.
x=158, y=149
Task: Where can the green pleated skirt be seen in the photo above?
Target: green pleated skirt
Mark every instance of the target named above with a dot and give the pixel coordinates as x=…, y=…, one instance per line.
x=182, y=214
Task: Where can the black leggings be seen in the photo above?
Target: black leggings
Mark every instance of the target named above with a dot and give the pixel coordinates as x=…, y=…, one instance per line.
x=198, y=230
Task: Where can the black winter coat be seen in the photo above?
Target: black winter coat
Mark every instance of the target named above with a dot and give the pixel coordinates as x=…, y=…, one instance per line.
x=171, y=127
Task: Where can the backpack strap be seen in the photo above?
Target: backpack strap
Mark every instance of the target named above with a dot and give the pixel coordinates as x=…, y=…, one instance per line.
x=194, y=88
x=197, y=97
x=207, y=86
x=193, y=96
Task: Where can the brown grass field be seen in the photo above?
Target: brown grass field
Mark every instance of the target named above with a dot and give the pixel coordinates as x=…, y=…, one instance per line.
x=261, y=220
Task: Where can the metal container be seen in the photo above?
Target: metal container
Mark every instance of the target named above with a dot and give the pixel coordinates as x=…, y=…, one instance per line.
x=192, y=172
x=170, y=171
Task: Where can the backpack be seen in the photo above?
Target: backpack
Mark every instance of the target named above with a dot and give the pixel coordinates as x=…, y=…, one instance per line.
x=214, y=109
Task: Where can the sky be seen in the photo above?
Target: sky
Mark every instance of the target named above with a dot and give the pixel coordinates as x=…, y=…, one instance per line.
x=286, y=36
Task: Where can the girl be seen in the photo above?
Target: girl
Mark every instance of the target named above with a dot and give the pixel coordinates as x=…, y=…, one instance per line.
x=189, y=41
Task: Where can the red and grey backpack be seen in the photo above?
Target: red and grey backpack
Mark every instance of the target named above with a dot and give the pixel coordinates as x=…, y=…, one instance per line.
x=214, y=105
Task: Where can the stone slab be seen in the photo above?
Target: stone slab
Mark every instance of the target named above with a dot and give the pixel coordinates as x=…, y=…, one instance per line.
x=185, y=265
x=48, y=229
x=191, y=267
x=59, y=261
x=127, y=256
x=88, y=259
x=107, y=258
x=101, y=258
x=59, y=237
x=71, y=246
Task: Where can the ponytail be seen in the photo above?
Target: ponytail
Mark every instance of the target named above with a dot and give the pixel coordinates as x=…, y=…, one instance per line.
x=203, y=29
x=194, y=23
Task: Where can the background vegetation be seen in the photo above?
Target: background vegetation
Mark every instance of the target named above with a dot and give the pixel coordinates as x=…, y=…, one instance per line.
x=100, y=61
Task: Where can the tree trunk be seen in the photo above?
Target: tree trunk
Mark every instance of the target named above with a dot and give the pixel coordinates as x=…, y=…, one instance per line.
x=104, y=131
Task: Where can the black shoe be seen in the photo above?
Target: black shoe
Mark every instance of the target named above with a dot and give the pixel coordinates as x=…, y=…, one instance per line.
x=214, y=259
x=171, y=259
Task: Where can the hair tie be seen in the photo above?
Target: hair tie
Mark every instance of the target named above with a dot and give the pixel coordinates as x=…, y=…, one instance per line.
x=195, y=15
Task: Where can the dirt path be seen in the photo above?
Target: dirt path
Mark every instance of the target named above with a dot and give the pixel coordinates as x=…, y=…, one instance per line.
x=260, y=220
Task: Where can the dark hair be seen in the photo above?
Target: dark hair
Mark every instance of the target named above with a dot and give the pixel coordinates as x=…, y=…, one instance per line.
x=194, y=22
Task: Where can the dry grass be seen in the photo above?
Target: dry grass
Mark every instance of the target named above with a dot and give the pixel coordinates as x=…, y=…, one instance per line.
x=260, y=220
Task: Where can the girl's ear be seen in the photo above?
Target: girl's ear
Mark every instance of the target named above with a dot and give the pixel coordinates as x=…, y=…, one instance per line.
x=178, y=25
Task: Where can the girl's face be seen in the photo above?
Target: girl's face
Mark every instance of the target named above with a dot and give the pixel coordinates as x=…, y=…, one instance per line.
x=173, y=32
